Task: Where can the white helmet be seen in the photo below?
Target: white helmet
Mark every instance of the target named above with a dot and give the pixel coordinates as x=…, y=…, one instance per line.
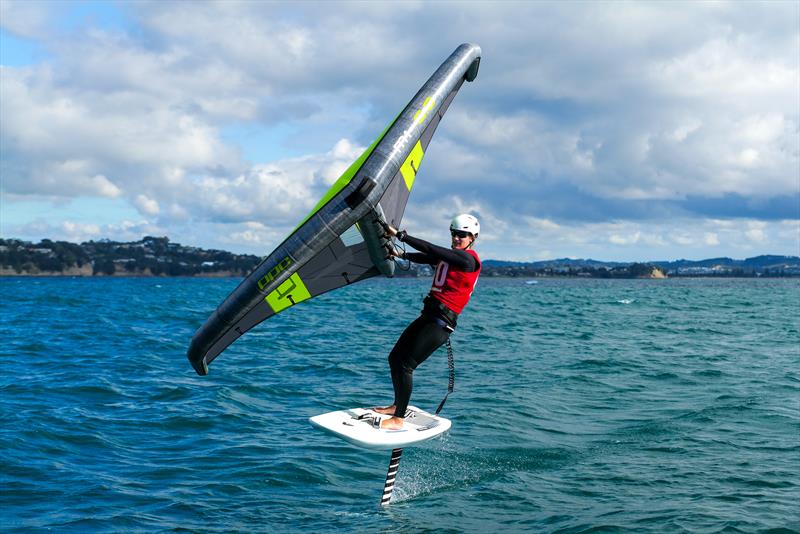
x=467, y=223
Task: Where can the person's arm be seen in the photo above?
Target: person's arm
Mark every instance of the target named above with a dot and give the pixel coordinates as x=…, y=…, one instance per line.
x=419, y=257
x=459, y=259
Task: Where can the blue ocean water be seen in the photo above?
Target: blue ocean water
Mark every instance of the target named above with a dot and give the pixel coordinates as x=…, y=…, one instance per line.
x=579, y=406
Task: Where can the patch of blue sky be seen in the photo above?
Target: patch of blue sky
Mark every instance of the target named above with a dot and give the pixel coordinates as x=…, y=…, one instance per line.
x=262, y=144
x=19, y=52
x=64, y=17
x=105, y=15
x=314, y=133
x=100, y=211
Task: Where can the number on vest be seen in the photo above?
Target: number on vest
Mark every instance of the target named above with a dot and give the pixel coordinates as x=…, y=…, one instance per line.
x=441, y=274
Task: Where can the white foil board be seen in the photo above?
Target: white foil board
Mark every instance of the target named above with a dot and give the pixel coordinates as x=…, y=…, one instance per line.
x=418, y=425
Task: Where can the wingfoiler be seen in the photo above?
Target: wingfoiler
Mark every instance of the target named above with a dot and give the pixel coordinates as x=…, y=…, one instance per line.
x=342, y=241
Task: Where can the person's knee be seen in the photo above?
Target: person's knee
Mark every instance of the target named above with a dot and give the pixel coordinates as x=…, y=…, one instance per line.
x=395, y=360
x=408, y=367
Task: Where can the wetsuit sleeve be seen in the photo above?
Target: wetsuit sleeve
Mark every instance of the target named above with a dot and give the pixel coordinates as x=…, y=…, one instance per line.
x=419, y=257
x=459, y=259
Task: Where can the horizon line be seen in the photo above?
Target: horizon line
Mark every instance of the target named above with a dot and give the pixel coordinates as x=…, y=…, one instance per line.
x=483, y=261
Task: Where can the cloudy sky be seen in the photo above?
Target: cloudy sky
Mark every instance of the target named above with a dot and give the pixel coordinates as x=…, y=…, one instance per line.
x=616, y=131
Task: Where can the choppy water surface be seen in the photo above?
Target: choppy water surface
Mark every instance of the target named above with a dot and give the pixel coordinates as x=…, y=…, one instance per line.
x=579, y=405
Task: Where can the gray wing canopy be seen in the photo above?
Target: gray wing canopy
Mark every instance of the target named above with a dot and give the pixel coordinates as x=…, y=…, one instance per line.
x=342, y=240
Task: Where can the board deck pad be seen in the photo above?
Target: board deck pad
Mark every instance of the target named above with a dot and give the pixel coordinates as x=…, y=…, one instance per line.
x=355, y=425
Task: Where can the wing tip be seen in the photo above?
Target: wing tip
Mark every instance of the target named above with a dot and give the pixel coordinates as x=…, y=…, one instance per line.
x=473, y=50
x=197, y=360
x=472, y=71
x=201, y=367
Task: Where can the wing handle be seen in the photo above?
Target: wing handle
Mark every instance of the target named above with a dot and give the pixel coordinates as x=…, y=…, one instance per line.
x=372, y=227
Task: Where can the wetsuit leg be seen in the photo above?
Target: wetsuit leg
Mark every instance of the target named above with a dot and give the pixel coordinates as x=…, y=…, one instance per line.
x=418, y=341
x=397, y=357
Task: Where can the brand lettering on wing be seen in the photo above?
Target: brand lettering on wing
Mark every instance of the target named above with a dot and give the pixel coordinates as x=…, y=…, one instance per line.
x=274, y=272
x=419, y=117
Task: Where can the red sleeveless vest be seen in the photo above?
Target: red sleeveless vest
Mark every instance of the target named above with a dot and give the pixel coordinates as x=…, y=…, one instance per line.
x=452, y=287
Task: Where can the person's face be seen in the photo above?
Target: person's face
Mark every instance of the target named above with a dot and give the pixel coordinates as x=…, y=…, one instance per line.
x=461, y=239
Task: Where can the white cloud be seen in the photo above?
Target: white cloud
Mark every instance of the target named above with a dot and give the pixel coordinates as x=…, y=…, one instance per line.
x=542, y=224
x=711, y=239
x=146, y=205
x=254, y=234
x=757, y=232
x=178, y=212
x=279, y=193
x=617, y=239
x=582, y=116
x=24, y=18
x=684, y=239
x=68, y=143
x=77, y=232
x=80, y=231
x=730, y=67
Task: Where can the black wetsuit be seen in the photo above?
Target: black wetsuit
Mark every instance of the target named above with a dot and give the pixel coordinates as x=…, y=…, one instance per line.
x=432, y=328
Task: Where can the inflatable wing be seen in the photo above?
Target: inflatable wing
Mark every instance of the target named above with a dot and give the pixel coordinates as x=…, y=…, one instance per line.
x=342, y=240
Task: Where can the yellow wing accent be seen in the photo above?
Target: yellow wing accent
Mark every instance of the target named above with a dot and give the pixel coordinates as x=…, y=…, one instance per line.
x=289, y=293
x=411, y=165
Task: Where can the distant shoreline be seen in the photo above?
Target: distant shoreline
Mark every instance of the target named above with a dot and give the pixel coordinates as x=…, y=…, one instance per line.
x=115, y=275
x=157, y=257
x=208, y=276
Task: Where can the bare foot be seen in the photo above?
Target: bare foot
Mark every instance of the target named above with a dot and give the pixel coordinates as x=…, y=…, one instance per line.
x=389, y=410
x=393, y=423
